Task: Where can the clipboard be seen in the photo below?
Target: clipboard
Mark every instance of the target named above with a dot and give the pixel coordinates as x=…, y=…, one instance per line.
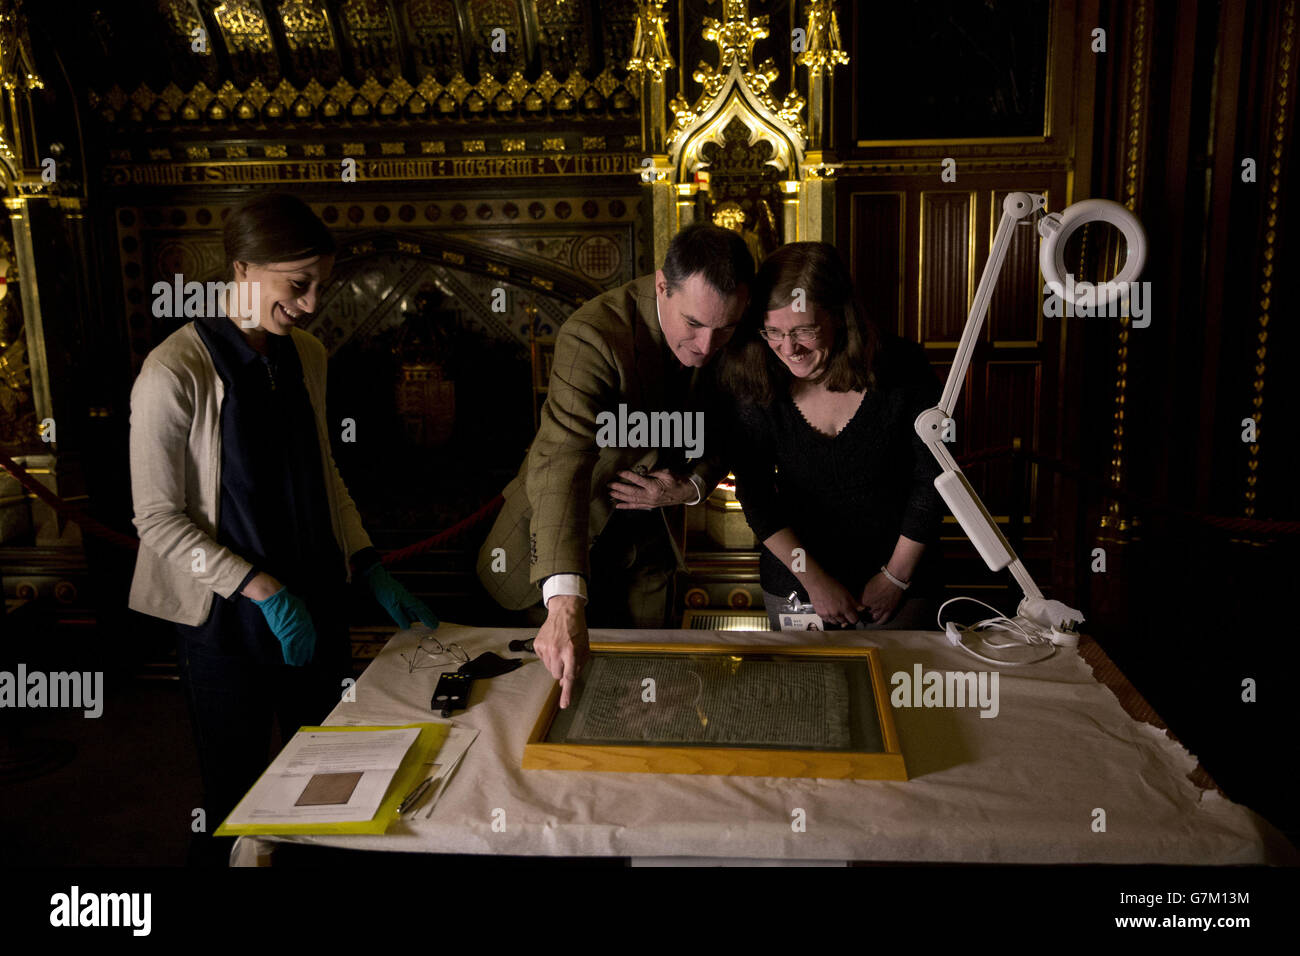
x=422, y=753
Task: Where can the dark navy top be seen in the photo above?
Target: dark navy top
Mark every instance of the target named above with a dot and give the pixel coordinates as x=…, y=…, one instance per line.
x=274, y=509
x=850, y=496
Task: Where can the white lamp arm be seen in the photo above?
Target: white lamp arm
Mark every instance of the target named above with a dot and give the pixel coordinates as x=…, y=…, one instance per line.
x=952, y=485
x=1014, y=208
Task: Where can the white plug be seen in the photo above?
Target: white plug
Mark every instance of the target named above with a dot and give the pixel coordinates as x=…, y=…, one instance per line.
x=1064, y=635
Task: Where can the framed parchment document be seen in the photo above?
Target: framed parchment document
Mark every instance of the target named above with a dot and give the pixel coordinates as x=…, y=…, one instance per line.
x=720, y=709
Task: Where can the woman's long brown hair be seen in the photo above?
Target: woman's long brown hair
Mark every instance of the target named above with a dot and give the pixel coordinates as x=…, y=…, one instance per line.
x=751, y=370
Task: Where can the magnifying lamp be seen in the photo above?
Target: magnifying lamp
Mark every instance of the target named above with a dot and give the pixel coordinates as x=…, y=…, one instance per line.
x=1057, y=228
x=1039, y=624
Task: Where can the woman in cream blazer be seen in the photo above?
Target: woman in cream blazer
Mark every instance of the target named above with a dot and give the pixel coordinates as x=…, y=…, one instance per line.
x=248, y=536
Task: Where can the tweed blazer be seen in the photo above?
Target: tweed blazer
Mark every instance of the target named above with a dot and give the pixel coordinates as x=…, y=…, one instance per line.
x=611, y=351
x=176, y=478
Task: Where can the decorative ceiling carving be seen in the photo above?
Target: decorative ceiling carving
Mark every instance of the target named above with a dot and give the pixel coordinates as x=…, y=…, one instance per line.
x=545, y=99
x=309, y=37
x=336, y=63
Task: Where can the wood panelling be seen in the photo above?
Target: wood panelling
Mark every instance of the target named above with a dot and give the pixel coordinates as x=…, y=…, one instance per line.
x=962, y=413
x=1011, y=402
x=1015, y=311
x=947, y=221
x=1013, y=373
x=876, y=255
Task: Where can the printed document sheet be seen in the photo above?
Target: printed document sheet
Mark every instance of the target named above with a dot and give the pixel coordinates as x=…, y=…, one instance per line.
x=323, y=777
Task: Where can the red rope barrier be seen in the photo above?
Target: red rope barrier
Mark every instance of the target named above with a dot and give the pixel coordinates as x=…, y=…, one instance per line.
x=68, y=510
x=443, y=537
x=1256, y=526
x=92, y=527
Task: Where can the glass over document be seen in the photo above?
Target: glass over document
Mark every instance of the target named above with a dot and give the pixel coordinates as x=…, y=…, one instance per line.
x=783, y=702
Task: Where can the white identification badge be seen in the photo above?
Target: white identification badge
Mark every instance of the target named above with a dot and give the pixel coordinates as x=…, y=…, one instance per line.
x=801, y=622
x=794, y=615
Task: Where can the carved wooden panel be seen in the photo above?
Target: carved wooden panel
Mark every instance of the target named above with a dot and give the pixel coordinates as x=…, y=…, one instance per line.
x=247, y=40
x=371, y=38
x=946, y=281
x=182, y=27
x=1010, y=402
x=496, y=33
x=309, y=41
x=433, y=38
x=876, y=255
x=564, y=36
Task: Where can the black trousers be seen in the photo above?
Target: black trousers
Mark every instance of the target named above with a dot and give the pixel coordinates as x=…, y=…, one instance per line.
x=632, y=568
x=237, y=685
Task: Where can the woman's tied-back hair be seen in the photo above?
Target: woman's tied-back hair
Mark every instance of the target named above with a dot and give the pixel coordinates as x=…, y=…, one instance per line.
x=751, y=370
x=718, y=254
x=274, y=227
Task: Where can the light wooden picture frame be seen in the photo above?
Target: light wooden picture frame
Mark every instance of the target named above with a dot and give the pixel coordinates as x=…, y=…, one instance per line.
x=872, y=750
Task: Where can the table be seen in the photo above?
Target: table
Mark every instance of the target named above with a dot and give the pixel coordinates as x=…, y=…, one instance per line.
x=1061, y=775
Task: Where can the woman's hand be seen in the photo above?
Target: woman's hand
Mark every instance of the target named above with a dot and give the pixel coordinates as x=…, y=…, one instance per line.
x=833, y=602
x=881, y=596
x=290, y=621
x=400, y=604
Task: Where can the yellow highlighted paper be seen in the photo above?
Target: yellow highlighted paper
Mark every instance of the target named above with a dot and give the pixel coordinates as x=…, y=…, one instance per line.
x=413, y=768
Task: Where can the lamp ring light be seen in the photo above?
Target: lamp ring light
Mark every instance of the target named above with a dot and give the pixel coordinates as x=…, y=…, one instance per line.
x=1056, y=228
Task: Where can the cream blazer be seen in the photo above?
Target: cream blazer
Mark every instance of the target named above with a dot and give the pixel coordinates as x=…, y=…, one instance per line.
x=176, y=478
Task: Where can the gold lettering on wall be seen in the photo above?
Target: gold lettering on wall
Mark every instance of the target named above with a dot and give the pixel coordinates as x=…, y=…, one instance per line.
x=491, y=167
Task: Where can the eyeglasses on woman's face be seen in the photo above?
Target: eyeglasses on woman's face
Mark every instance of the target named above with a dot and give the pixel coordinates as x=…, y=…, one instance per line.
x=803, y=334
x=811, y=333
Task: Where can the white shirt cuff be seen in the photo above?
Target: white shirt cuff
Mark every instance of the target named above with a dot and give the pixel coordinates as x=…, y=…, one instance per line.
x=563, y=584
x=698, y=482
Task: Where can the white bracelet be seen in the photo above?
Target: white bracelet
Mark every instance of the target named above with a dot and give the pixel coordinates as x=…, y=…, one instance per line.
x=901, y=585
x=698, y=484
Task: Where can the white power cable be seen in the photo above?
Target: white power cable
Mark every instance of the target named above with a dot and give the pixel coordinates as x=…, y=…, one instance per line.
x=979, y=633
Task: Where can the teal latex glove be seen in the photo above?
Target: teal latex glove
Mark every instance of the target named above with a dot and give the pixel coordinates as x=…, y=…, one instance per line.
x=397, y=601
x=291, y=623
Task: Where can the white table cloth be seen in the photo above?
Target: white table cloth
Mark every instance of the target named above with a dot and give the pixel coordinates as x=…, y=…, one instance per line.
x=1023, y=787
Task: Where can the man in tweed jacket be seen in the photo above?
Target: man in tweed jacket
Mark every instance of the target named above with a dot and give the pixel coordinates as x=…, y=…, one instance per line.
x=582, y=509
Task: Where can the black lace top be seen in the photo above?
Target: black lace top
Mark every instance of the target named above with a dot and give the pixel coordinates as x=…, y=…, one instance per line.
x=850, y=496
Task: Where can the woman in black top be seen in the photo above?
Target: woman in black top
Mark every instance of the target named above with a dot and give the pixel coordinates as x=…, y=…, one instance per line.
x=831, y=475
